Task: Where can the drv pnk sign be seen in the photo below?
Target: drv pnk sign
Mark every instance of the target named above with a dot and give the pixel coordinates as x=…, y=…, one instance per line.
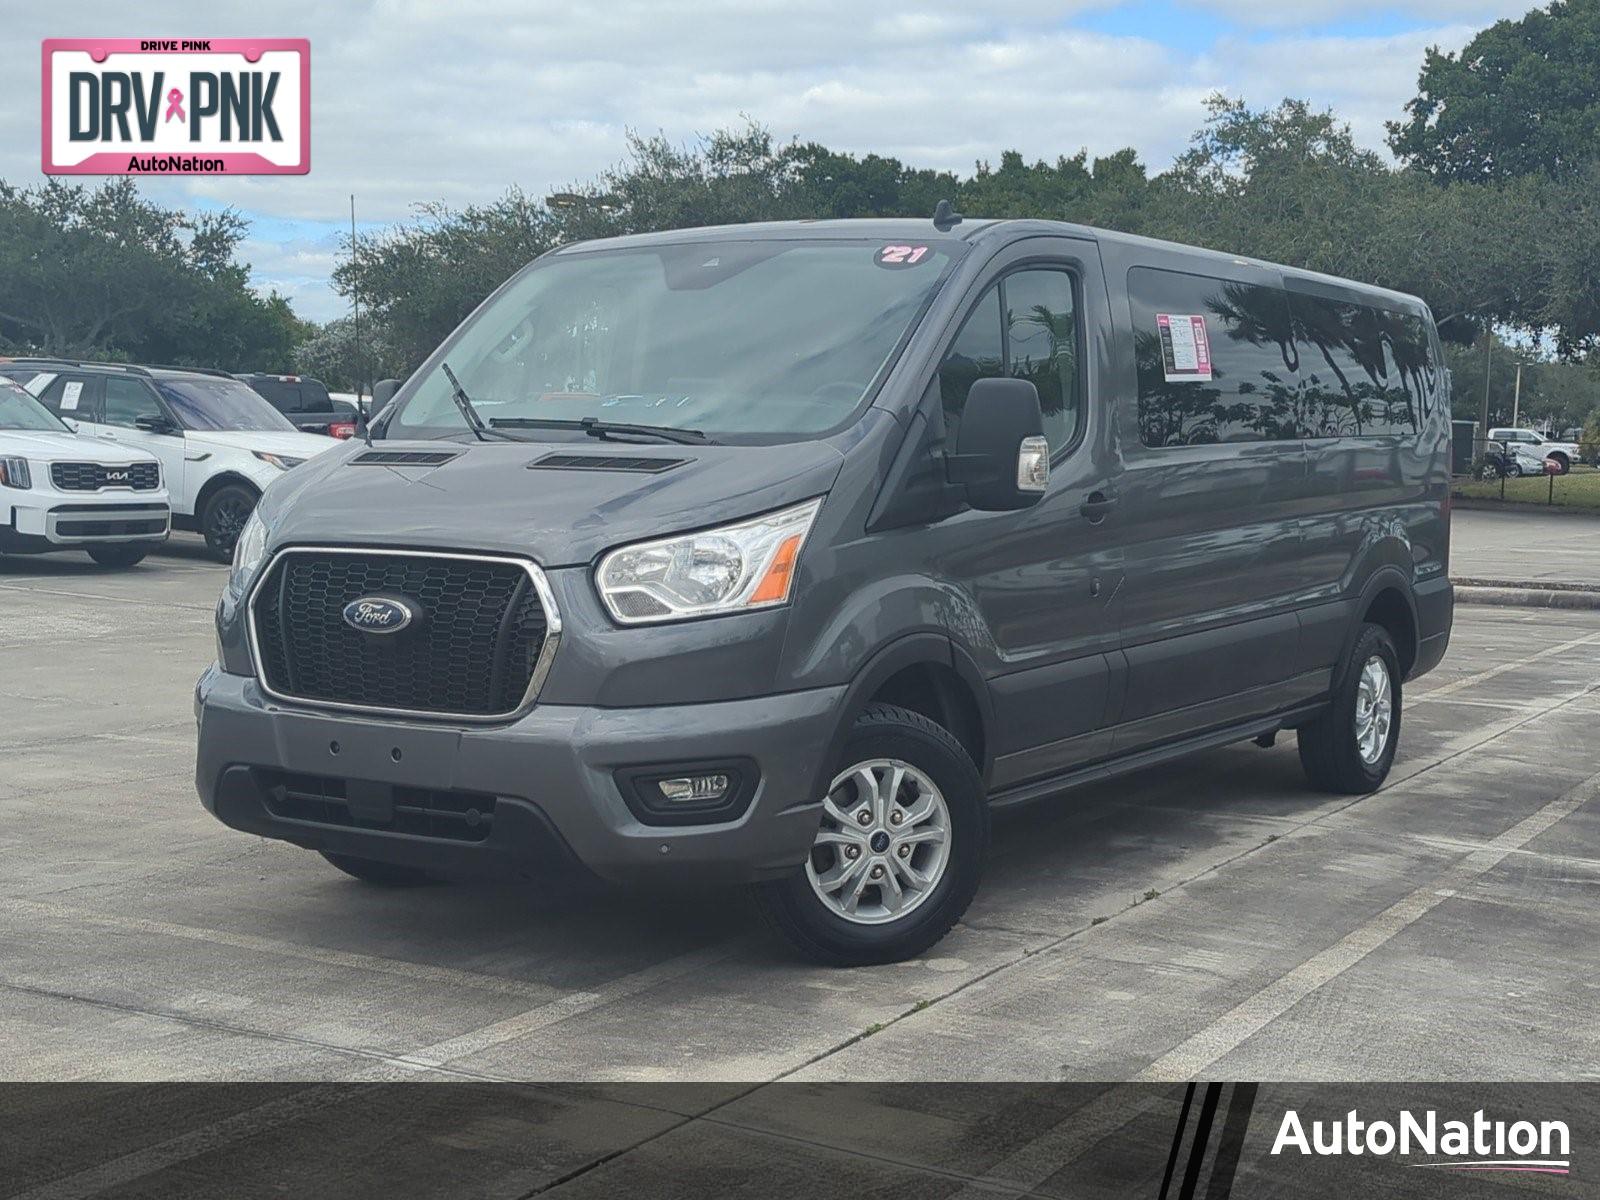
x=168, y=106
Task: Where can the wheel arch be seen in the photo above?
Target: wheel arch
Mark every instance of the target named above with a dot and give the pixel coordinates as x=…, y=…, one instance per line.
x=215, y=484
x=1389, y=601
x=928, y=674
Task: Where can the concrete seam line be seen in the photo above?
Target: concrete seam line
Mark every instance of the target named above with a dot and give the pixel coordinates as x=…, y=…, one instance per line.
x=1245, y=1020
x=475, y=1041
x=245, y=941
x=140, y=602
x=150, y=1159
x=228, y=1027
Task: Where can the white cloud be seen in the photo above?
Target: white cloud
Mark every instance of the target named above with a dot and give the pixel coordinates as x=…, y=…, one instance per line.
x=416, y=101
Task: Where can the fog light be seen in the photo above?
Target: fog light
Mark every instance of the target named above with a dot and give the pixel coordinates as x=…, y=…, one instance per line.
x=695, y=789
x=691, y=793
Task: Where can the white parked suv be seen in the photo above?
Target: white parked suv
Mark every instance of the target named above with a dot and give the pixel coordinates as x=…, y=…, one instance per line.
x=219, y=442
x=60, y=490
x=1541, y=447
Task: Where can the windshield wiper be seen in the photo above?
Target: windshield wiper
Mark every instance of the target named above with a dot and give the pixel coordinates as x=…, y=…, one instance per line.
x=468, y=413
x=596, y=428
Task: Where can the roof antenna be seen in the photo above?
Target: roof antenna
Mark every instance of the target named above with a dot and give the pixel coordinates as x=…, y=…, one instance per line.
x=945, y=217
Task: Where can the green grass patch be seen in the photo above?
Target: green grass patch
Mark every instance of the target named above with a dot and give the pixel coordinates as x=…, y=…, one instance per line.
x=1580, y=489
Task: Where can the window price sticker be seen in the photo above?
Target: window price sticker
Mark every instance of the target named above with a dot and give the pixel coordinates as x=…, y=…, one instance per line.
x=1185, y=348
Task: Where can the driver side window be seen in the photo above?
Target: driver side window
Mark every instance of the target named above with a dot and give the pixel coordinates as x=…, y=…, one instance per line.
x=126, y=400
x=1034, y=337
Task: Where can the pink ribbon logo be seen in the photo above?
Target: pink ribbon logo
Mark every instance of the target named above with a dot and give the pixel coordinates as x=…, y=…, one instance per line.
x=175, y=106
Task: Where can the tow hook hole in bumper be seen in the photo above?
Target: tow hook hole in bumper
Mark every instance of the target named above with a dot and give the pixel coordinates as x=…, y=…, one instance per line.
x=707, y=792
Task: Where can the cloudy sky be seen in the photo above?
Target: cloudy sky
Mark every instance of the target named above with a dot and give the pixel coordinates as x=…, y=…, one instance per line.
x=418, y=100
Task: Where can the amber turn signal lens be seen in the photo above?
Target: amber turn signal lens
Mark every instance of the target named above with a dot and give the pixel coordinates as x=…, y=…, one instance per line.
x=775, y=585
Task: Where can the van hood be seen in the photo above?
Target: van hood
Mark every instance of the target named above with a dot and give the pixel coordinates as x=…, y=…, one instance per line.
x=560, y=503
x=42, y=446
x=269, y=441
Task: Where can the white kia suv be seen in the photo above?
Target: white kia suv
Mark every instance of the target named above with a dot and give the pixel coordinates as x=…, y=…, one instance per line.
x=60, y=490
x=219, y=442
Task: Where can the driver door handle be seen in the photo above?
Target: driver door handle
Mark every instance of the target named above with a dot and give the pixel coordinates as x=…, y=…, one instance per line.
x=1096, y=506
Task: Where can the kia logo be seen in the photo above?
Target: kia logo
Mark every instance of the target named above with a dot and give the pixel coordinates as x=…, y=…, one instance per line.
x=378, y=614
x=116, y=477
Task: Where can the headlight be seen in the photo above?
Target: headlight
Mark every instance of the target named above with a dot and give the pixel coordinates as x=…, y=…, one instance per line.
x=248, y=552
x=282, y=461
x=14, y=473
x=736, y=567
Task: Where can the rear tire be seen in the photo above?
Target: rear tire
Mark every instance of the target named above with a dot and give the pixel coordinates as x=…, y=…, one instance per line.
x=1350, y=748
x=919, y=854
x=380, y=874
x=118, y=556
x=226, y=511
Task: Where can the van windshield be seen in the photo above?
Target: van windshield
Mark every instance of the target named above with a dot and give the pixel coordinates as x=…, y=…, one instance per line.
x=765, y=338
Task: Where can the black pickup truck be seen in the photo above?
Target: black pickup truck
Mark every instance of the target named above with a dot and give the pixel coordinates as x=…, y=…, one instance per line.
x=305, y=402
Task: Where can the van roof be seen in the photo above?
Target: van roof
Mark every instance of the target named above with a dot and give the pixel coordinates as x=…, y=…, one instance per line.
x=978, y=230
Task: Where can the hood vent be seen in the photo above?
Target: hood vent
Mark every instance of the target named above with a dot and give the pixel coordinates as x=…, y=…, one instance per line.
x=404, y=458
x=637, y=464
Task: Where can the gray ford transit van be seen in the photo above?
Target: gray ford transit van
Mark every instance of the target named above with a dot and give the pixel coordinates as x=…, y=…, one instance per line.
x=782, y=554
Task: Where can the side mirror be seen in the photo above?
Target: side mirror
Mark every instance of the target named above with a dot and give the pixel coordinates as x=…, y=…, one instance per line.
x=1001, y=456
x=382, y=392
x=154, y=425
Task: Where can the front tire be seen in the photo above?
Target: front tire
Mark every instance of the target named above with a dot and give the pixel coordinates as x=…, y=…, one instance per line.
x=118, y=556
x=899, y=851
x=1350, y=748
x=228, y=508
x=380, y=874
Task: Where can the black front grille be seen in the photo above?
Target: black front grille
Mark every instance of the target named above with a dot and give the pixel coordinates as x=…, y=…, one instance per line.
x=92, y=477
x=420, y=812
x=471, y=649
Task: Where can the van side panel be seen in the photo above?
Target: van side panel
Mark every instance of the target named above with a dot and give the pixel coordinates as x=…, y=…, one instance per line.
x=1211, y=541
x=1376, y=497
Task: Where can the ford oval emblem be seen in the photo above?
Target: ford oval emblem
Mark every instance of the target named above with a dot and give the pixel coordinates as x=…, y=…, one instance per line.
x=378, y=614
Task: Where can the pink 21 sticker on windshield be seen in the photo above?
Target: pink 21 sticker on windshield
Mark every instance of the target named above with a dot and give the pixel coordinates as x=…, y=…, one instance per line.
x=1185, y=348
x=165, y=106
x=901, y=256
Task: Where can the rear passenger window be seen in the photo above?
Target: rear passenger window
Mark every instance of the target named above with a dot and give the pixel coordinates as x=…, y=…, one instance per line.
x=1215, y=360
x=1025, y=327
x=1364, y=371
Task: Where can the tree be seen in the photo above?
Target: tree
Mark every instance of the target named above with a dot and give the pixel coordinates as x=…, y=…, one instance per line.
x=420, y=279
x=332, y=355
x=104, y=272
x=1522, y=98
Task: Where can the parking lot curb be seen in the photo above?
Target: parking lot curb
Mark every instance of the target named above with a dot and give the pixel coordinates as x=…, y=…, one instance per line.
x=1460, y=503
x=1517, y=595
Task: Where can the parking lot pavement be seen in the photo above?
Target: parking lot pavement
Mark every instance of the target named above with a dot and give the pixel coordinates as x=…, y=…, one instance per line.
x=1530, y=547
x=1210, y=918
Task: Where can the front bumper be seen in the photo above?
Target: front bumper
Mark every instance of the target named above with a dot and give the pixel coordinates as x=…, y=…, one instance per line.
x=550, y=774
x=89, y=522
